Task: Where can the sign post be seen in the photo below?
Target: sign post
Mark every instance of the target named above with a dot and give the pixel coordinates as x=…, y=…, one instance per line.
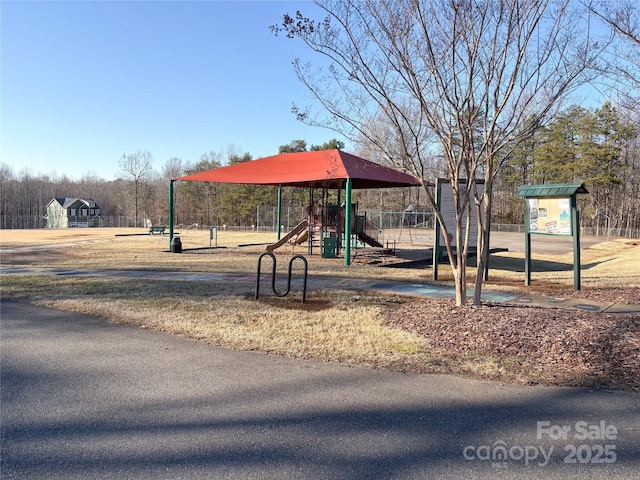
x=444, y=203
x=552, y=209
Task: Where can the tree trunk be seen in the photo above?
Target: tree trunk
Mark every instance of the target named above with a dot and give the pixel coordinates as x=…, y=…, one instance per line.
x=460, y=267
x=484, y=225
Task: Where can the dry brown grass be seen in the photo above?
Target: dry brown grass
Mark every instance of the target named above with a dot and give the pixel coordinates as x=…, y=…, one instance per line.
x=608, y=264
x=613, y=264
x=141, y=251
x=21, y=238
x=331, y=325
x=334, y=325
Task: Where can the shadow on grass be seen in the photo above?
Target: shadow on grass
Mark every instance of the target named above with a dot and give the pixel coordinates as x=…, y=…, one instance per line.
x=498, y=262
x=517, y=265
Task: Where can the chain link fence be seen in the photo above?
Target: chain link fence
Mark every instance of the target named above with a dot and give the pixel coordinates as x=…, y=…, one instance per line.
x=266, y=220
x=27, y=222
x=291, y=216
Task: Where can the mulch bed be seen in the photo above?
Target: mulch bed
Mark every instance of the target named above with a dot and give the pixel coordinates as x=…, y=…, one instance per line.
x=534, y=344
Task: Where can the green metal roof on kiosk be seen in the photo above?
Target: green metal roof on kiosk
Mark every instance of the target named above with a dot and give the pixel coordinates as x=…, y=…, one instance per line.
x=551, y=190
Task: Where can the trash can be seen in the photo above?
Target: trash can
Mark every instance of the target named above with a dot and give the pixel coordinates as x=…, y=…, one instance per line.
x=176, y=245
x=329, y=247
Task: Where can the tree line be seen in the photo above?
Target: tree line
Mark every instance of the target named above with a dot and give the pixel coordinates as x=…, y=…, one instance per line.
x=600, y=147
x=140, y=192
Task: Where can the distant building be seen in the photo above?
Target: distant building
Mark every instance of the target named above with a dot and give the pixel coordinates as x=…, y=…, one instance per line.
x=73, y=212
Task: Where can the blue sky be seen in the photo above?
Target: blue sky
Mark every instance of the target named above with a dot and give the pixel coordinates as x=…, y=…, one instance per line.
x=84, y=82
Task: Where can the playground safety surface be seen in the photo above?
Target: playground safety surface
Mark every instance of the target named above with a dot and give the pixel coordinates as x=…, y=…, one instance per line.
x=318, y=282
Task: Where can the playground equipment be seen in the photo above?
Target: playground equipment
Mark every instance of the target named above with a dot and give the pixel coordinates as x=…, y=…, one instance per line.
x=273, y=276
x=325, y=227
x=297, y=235
x=321, y=169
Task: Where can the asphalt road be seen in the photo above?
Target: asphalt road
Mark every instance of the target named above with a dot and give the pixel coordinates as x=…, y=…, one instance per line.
x=514, y=242
x=83, y=398
x=541, y=244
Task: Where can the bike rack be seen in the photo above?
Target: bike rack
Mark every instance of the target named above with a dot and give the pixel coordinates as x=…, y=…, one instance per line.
x=273, y=276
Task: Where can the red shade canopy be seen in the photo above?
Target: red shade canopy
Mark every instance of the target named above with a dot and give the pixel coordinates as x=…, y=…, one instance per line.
x=318, y=169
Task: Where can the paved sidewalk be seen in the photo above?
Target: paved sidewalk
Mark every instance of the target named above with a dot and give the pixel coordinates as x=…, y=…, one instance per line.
x=319, y=282
x=83, y=398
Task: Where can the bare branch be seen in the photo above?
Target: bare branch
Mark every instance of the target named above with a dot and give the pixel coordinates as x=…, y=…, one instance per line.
x=460, y=78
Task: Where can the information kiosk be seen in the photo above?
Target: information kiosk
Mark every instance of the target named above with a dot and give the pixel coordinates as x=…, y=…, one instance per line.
x=551, y=209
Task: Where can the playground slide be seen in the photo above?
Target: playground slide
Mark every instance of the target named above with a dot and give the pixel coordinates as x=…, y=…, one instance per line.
x=363, y=237
x=297, y=230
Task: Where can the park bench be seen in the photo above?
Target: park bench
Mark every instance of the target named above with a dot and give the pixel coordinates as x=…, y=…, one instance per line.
x=157, y=229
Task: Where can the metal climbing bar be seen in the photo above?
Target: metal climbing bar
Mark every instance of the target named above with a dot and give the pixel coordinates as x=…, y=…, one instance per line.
x=273, y=276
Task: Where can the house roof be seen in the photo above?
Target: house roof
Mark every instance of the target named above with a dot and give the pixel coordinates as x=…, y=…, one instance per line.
x=318, y=169
x=68, y=202
x=551, y=190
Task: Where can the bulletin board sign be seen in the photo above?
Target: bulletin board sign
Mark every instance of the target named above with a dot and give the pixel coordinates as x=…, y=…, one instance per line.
x=550, y=216
x=552, y=209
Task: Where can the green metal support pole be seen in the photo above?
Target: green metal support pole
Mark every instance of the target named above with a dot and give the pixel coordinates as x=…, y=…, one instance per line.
x=171, y=213
x=527, y=244
x=310, y=226
x=436, y=236
x=347, y=224
x=527, y=259
x=338, y=232
x=575, y=217
x=279, y=215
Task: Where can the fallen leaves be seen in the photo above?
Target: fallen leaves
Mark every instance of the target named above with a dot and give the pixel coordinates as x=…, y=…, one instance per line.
x=531, y=344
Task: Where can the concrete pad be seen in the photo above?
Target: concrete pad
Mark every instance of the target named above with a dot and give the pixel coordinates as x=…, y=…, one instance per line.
x=567, y=303
x=622, y=308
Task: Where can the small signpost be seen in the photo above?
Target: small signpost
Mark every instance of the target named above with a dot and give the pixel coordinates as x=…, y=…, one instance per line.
x=444, y=202
x=213, y=235
x=551, y=209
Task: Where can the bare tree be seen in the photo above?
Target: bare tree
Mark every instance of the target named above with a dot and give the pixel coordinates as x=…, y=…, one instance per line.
x=136, y=167
x=622, y=64
x=8, y=198
x=462, y=79
x=173, y=168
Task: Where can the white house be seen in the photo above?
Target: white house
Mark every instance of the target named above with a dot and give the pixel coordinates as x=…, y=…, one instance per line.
x=73, y=212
